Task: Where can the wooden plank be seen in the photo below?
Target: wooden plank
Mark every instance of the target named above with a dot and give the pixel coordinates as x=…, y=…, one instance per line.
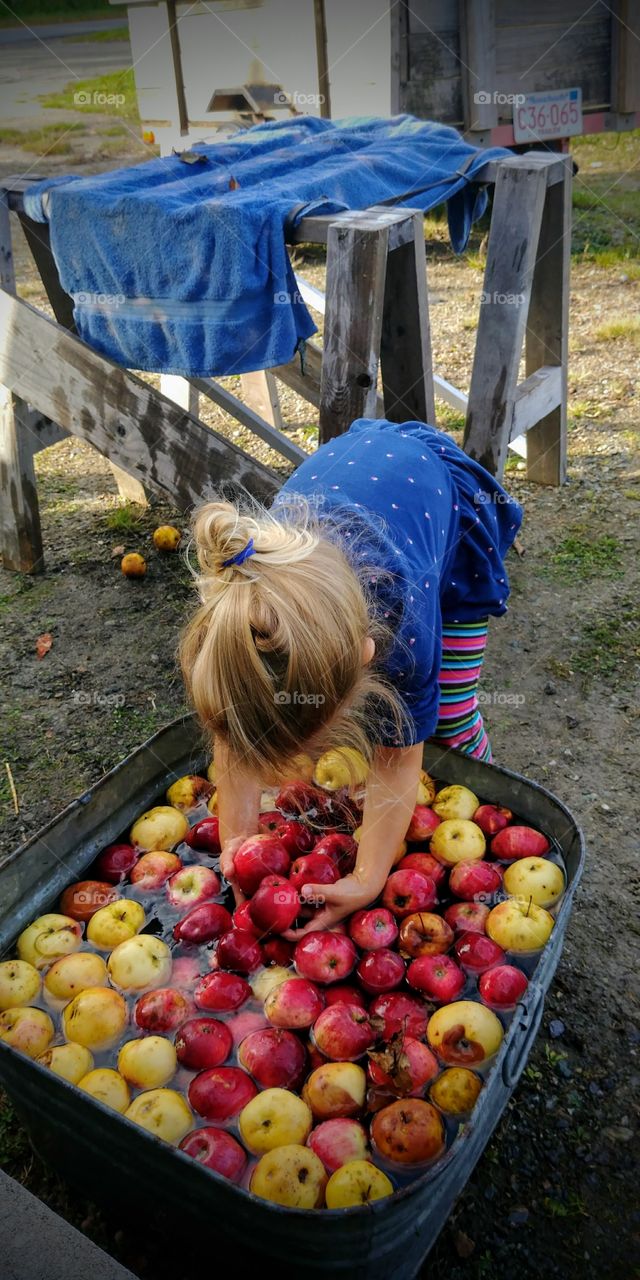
x=122, y=417
x=322, y=58
x=405, y=345
x=396, y=222
x=231, y=404
x=260, y=393
x=548, y=328
x=44, y=433
x=176, y=59
x=478, y=63
x=356, y=270
x=399, y=19
x=511, y=254
x=555, y=55
x=535, y=398
x=625, y=56
x=303, y=375
x=39, y=241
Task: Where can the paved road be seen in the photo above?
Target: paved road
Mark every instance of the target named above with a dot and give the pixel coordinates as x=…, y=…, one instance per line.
x=45, y=59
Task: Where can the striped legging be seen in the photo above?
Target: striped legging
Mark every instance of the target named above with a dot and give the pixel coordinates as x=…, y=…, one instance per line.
x=460, y=725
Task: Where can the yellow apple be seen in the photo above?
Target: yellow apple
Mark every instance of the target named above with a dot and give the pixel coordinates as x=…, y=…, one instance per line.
x=48, y=938
x=291, y=1176
x=108, y=1087
x=188, y=792
x=274, y=1118
x=162, y=1112
x=26, y=1029
x=159, y=828
x=148, y=1063
x=301, y=769
x=71, y=974
x=357, y=1182
x=71, y=1061
x=114, y=923
x=455, y=802
x=456, y=840
x=340, y=767
x=426, y=788
x=456, y=1091
x=19, y=984
x=335, y=1089
x=140, y=964
x=535, y=879
x=266, y=980
x=464, y=1033
x=95, y=1018
x=519, y=926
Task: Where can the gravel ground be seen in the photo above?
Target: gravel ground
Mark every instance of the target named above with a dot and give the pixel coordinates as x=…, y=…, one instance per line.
x=555, y=1192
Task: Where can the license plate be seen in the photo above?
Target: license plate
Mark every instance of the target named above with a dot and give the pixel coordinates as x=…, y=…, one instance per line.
x=555, y=113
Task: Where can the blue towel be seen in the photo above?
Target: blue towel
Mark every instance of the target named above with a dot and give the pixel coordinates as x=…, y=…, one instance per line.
x=182, y=268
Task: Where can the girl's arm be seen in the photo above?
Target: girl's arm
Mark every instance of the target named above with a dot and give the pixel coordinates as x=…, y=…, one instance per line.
x=390, y=799
x=238, y=809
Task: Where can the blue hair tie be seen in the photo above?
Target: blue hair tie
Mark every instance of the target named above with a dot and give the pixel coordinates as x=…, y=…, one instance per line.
x=241, y=556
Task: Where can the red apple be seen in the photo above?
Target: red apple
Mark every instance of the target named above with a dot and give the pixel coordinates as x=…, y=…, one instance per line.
x=295, y=836
x=245, y=1023
x=202, y=1043
x=314, y=1056
x=152, y=870
x=238, y=950
x=491, y=818
x=294, y=1004
x=437, y=977
x=400, y=1012
x=205, y=835
x=192, y=885
x=373, y=929
x=343, y=1032
x=380, y=971
x=115, y=862
x=257, y=857
x=221, y=992
x=337, y=1142
x=477, y=953
x=519, y=842
x=404, y=1065
x=344, y=994
x=341, y=848
x=313, y=868
x=426, y=863
x=274, y=905
x=409, y=891
x=216, y=1149
x=164, y=1009
x=423, y=823
x=277, y=951
x=221, y=1093
x=502, y=987
x=275, y=1058
x=466, y=917
x=475, y=881
x=408, y=1131
x=242, y=919
x=203, y=923
x=425, y=934
x=82, y=899
x=325, y=957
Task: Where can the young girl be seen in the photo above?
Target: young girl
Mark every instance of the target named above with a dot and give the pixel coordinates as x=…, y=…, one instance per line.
x=354, y=612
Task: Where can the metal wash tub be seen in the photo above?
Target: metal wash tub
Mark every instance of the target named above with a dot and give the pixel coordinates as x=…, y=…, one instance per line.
x=121, y=1166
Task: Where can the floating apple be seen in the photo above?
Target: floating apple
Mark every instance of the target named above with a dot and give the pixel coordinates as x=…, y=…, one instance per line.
x=20, y=984
x=408, y=1131
x=313, y=868
x=274, y=905
x=403, y=1065
x=82, y=899
x=115, y=923
x=455, y=802
x=115, y=862
x=257, y=857
x=49, y=937
x=426, y=863
x=221, y=1092
x=188, y=792
x=475, y=881
x=400, y=1012
x=242, y=920
x=95, y=1018
x=221, y=992
x=373, y=929
x=502, y=987
x=162, y=1112
x=340, y=767
x=325, y=957
x=464, y=1033
x=277, y=951
x=203, y=923
x=238, y=950
x=192, y=885
x=108, y=1087
x=159, y=828
x=164, y=1009
x=476, y=952
x=202, y=1043
x=519, y=842
x=266, y=980
x=519, y=926
x=457, y=840
x=356, y=1182
x=71, y=974
x=341, y=848
x=294, y=1004
x=491, y=818
x=70, y=1061
x=456, y=1091
x=467, y=916
x=423, y=824
x=140, y=964
x=425, y=934
x=28, y=1030
x=205, y=835
x=336, y=1089
x=292, y=1176
x=274, y=1118
x=275, y=1058
x=344, y=1032
x=345, y=994
x=437, y=977
x=154, y=869
x=217, y=1150
x=339, y=1141
x=535, y=879
x=408, y=891
x=380, y=971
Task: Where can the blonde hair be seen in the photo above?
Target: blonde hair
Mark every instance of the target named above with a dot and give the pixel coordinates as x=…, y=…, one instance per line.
x=273, y=657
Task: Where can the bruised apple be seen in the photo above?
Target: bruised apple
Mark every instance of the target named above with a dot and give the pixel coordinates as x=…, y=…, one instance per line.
x=455, y=802
x=164, y=1009
x=19, y=984
x=292, y=1176
x=95, y=1018
x=426, y=788
x=188, y=792
x=274, y=1118
x=400, y=1012
x=28, y=1030
x=425, y=934
x=153, y=869
x=336, y=1089
x=456, y=1091
x=70, y=1061
x=71, y=974
x=457, y=840
x=408, y=1131
x=162, y=1112
x=49, y=937
x=159, y=828
x=464, y=1033
x=294, y=1004
x=403, y=1065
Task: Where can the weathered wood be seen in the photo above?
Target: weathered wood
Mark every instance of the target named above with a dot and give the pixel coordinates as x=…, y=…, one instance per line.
x=396, y=222
x=405, y=346
x=536, y=54
x=478, y=63
x=252, y=421
x=356, y=270
x=433, y=88
x=548, y=328
x=625, y=56
x=176, y=58
x=39, y=241
x=260, y=392
x=303, y=374
x=121, y=416
x=44, y=433
x=399, y=42
x=322, y=59
x=535, y=398
x=511, y=254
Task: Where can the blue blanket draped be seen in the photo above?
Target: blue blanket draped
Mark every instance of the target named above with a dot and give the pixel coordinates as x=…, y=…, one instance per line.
x=182, y=268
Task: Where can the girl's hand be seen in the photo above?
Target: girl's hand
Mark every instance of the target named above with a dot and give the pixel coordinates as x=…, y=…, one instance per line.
x=340, y=899
x=227, y=866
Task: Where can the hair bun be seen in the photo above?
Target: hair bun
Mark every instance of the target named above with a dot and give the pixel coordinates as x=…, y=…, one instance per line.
x=221, y=533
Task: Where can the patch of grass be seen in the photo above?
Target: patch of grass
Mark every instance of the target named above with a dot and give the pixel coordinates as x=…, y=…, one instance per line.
x=571, y=1207
x=47, y=11
x=49, y=139
x=125, y=519
x=111, y=94
x=118, y=33
x=585, y=409
x=620, y=327
x=450, y=419
x=617, y=257
x=609, y=644
x=578, y=558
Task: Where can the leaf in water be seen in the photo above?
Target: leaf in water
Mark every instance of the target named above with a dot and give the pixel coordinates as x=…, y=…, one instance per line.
x=44, y=643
